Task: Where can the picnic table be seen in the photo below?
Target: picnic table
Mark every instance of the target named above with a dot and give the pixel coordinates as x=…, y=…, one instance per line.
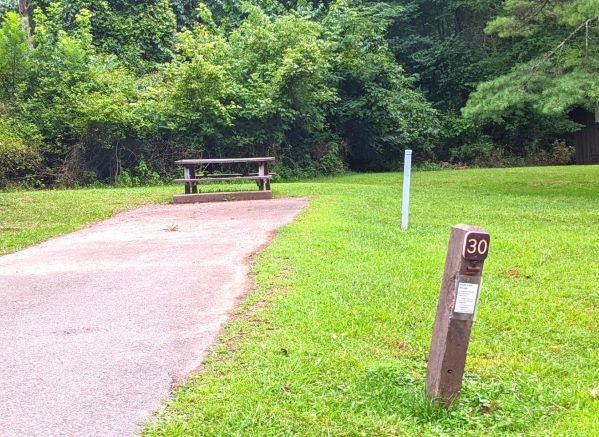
x=197, y=171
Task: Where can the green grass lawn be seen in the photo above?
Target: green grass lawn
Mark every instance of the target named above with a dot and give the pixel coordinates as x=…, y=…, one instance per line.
x=334, y=339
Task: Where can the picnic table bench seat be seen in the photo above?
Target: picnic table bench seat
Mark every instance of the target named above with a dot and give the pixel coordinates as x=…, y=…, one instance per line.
x=227, y=178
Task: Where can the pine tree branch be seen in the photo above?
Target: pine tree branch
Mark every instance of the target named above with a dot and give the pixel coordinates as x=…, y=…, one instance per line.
x=548, y=55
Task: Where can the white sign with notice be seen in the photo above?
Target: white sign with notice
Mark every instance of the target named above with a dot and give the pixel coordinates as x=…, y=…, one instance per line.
x=466, y=296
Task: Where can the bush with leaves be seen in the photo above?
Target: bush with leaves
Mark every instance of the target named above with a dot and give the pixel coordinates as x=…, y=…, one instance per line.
x=314, y=89
x=15, y=62
x=264, y=87
x=8, y=6
x=20, y=160
x=141, y=34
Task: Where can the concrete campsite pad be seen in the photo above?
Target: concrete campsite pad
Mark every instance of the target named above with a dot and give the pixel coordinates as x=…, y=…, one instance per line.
x=96, y=326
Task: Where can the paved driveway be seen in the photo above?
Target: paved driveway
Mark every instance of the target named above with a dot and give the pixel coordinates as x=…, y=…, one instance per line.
x=97, y=325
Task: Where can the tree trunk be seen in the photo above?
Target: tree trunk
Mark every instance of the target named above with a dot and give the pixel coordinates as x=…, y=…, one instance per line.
x=24, y=13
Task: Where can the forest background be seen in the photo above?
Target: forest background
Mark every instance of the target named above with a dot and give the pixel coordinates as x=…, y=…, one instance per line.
x=116, y=90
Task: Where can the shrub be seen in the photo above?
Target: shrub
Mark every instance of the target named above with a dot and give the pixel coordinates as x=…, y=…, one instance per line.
x=316, y=89
x=472, y=151
x=140, y=175
x=562, y=153
x=20, y=161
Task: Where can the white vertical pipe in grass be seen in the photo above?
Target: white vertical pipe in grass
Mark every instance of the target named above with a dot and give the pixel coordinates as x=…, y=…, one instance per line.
x=405, y=199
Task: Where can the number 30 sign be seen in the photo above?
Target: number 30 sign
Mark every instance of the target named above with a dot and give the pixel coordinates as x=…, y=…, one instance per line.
x=476, y=246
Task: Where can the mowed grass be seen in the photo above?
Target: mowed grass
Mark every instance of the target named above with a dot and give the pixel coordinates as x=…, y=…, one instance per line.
x=334, y=339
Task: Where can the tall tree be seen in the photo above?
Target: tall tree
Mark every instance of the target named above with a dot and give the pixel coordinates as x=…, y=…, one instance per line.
x=443, y=45
x=562, y=74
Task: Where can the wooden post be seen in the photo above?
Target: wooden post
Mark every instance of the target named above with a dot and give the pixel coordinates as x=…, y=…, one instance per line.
x=189, y=172
x=468, y=248
x=267, y=181
x=261, y=168
x=192, y=175
x=186, y=177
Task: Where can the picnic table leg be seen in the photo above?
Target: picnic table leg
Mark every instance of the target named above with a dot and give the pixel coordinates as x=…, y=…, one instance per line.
x=261, y=169
x=186, y=176
x=192, y=174
x=267, y=181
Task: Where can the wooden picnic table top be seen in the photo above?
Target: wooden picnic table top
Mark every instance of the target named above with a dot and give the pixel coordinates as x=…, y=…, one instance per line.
x=223, y=160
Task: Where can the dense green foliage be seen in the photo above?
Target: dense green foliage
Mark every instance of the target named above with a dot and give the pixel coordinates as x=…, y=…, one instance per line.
x=102, y=90
x=139, y=33
x=458, y=46
x=560, y=75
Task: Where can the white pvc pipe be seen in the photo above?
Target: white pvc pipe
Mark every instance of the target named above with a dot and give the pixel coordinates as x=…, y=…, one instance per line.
x=405, y=200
